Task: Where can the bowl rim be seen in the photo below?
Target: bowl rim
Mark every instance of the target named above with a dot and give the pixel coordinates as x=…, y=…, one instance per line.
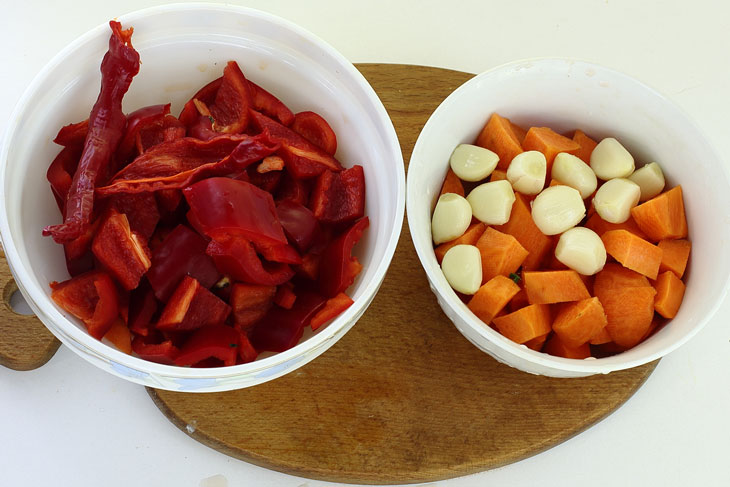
x=68, y=331
x=520, y=351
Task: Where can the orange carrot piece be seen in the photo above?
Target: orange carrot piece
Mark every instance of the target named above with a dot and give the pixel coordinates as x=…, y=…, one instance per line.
x=549, y=142
x=120, y=336
x=655, y=323
x=601, y=226
x=498, y=135
x=586, y=146
x=501, y=254
x=669, y=294
x=558, y=348
x=452, y=184
x=578, y=322
x=614, y=276
x=675, y=254
x=525, y=324
x=522, y=227
x=547, y=287
x=498, y=175
x=537, y=342
x=518, y=301
x=633, y=252
x=629, y=312
x=519, y=132
x=662, y=217
x=331, y=309
x=601, y=337
x=470, y=237
x=492, y=297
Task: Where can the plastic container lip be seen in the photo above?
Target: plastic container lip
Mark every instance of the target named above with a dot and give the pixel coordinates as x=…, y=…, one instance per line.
x=73, y=336
x=493, y=342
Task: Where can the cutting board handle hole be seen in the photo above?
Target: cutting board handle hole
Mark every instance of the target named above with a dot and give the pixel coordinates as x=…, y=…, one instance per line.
x=14, y=300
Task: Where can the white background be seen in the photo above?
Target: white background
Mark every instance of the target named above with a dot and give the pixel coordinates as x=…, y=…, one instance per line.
x=71, y=424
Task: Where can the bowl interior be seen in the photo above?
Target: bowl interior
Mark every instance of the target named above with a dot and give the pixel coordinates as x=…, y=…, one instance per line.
x=181, y=49
x=567, y=95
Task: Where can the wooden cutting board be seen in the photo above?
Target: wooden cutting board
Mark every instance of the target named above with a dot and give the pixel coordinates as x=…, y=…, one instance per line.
x=403, y=397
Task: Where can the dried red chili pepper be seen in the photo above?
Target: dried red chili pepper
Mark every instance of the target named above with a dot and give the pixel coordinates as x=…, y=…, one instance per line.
x=339, y=197
x=122, y=252
x=315, y=129
x=212, y=341
x=91, y=297
x=237, y=257
x=336, y=269
x=106, y=128
x=192, y=306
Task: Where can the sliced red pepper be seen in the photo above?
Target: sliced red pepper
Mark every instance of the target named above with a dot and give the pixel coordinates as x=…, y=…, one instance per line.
x=230, y=109
x=339, y=197
x=168, y=200
x=163, y=353
x=250, y=303
x=246, y=352
x=309, y=268
x=79, y=258
x=73, y=135
x=336, y=267
x=120, y=250
x=181, y=253
x=137, y=121
x=192, y=306
x=332, y=308
x=202, y=128
x=141, y=210
x=315, y=129
x=269, y=105
x=278, y=253
x=245, y=153
x=285, y=296
x=60, y=173
x=281, y=328
x=119, y=336
x=237, y=257
x=106, y=128
x=142, y=309
x=91, y=297
x=296, y=190
x=170, y=129
x=298, y=222
x=206, y=94
x=268, y=181
x=302, y=158
x=212, y=341
x=226, y=207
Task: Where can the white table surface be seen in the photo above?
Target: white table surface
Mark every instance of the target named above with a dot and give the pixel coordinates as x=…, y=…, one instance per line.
x=69, y=423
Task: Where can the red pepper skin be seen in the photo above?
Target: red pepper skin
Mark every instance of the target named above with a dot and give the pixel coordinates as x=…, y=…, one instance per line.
x=192, y=306
x=181, y=253
x=227, y=207
x=281, y=328
x=91, y=297
x=269, y=105
x=106, y=128
x=339, y=197
x=138, y=120
x=298, y=222
x=141, y=210
x=60, y=173
x=336, y=267
x=250, y=303
x=230, y=110
x=302, y=158
x=121, y=251
x=162, y=353
x=216, y=341
x=237, y=257
x=315, y=129
x=73, y=135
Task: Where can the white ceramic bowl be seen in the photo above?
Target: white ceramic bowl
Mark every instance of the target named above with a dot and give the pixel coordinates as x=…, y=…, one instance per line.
x=567, y=95
x=183, y=47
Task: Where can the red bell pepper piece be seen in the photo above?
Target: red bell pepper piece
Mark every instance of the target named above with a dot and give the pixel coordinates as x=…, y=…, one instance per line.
x=141, y=210
x=285, y=296
x=202, y=128
x=226, y=207
x=339, y=197
x=296, y=190
x=268, y=181
x=250, y=303
x=60, y=174
x=212, y=341
x=278, y=253
x=281, y=328
x=142, y=309
x=181, y=253
x=315, y=129
x=79, y=258
x=338, y=268
x=246, y=352
x=230, y=109
x=119, y=336
x=138, y=120
x=168, y=200
x=331, y=309
x=206, y=94
x=309, y=268
x=106, y=128
x=170, y=129
x=192, y=306
x=298, y=222
x=120, y=250
x=269, y=105
x=236, y=257
x=91, y=297
x=302, y=158
x=73, y=134
x=163, y=353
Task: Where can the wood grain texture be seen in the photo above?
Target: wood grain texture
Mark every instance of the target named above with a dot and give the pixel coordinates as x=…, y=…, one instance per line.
x=403, y=397
x=25, y=343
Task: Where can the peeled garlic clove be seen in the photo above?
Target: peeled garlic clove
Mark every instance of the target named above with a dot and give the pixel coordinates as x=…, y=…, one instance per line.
x=527, y=172
x=492, y=202
x=582, y=250
x=650, y=179
x=571, y=170
x=462, y=267
x=611, y=160
x=472, y=163
x=557, y=209
x=614, y=200
x=451, y=218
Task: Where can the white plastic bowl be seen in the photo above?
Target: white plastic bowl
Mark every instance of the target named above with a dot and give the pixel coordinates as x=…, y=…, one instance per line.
x=566, y=95
x=183, y=47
